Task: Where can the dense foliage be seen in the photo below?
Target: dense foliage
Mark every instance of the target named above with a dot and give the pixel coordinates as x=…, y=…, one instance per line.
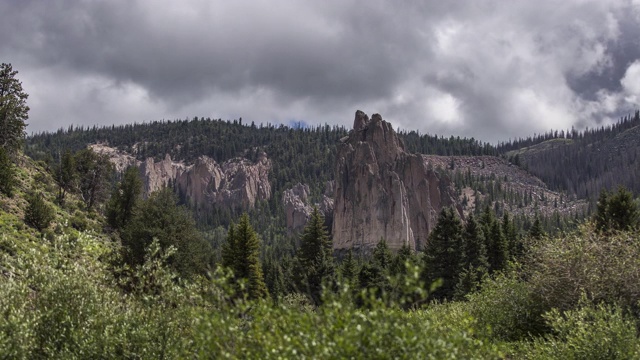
x=13, y=110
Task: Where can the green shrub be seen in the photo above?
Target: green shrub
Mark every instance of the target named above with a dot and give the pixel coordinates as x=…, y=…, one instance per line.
x=588, y=332
x=604, y=267
x=7, y=174
x=38, y=214
x=506, y=309
x=79, y=221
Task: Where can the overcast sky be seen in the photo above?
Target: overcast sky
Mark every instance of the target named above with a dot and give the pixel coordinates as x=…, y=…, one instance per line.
x=491, y=69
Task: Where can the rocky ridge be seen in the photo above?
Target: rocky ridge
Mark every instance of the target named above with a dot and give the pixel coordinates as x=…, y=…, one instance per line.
x=236, y=184
x=382, y=191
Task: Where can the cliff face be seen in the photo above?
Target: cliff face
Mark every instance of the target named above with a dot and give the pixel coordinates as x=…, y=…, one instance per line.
x=382, y=191
x=237, y=183
x=298, y=208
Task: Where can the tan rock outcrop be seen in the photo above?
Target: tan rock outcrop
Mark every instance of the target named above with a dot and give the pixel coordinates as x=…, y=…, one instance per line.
x=298, y=208
x=382, y=191
x=237, y=183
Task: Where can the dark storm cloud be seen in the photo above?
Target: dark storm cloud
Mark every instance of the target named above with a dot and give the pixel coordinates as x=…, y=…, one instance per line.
x=489, y=69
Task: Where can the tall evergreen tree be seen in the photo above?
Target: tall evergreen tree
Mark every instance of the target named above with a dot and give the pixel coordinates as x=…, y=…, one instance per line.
x=443, y=253
x=66, y=175
x=245, y=261
x=229, y=248
x=94, y=171
x=314, y=258
x=514, y=244
x=382, y=255
x=536, y=230
x=498, y=249
x=124, y=199
x=349, y=268
x=474, y=246
x=13, y=110
x=398, y=264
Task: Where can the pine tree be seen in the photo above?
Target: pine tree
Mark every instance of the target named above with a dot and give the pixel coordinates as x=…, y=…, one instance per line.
x=13, y=110
x=274, y=279
x=382, y=256
x=399, y=262
x=617, y=211
x=246, y=258
x=498, y=250
x=349, y=268
x=124, y=199
x=443, y=254
x=514, y=245
x=66, y=175
x=475, y=250
x=474, y=264
x=229, y=253
x=314, y=258
x=536, y=230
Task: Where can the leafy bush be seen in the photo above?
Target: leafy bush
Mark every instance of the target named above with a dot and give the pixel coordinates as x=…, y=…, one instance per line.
x=606, y=268
x=38, y=213
x=506, y=309
x=589, y=332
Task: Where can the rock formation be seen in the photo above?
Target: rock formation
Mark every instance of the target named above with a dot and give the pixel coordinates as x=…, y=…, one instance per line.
x=236, y=184
x=298, y=208
x=382, y=191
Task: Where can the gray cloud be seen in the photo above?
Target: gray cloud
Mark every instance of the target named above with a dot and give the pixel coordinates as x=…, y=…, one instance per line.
x=492, y=69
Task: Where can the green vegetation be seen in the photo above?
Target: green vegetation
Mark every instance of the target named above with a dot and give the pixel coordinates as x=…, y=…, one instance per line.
x=137, y=280
x=314, y=260
x=7, y=174
x=38, y=213
x=13, y=110
x=241, y=255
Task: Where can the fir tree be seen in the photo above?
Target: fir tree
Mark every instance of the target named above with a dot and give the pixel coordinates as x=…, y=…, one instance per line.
x=443, y=253
x=382, y=256
x=536, y=230
x=349, y=268
x=399, y=262
x=474, y=246
x=13, y=110
x=314, y=258
x=229, y=253
x=499, y=249
x=617, y=211
x=246, y=258
x=124, y=199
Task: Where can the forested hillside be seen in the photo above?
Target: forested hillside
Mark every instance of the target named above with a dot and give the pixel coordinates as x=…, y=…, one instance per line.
x=583, y=163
